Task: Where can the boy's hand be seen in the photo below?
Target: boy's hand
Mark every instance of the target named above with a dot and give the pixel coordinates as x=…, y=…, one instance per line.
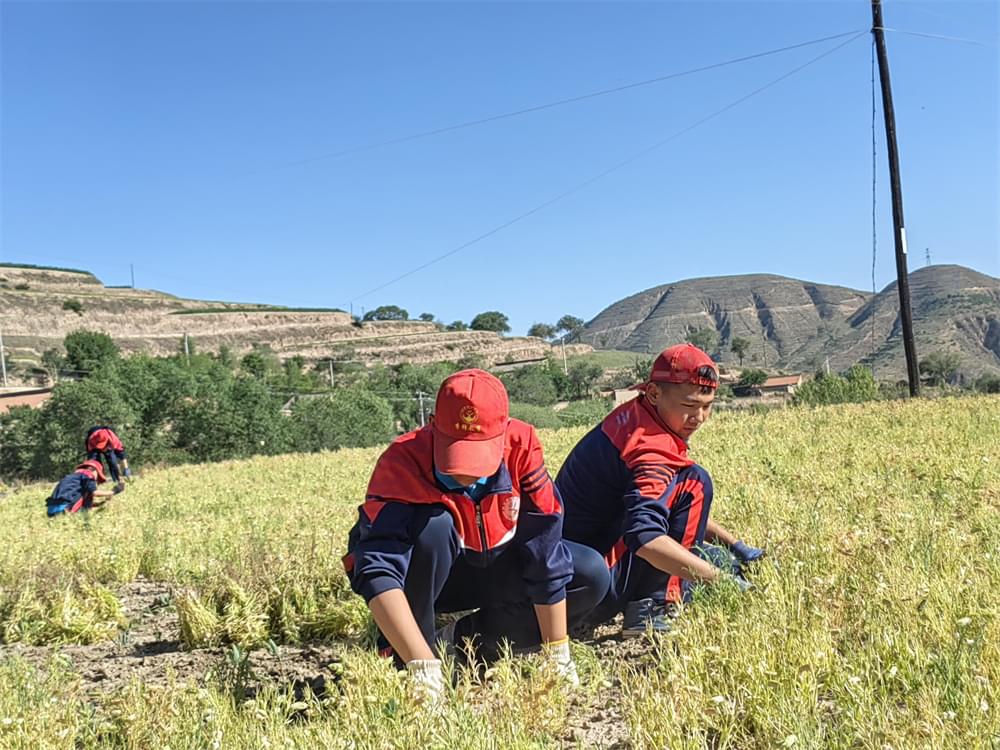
x=128, y=473
x=747, y=554
x=426, y=680
x=561, y=658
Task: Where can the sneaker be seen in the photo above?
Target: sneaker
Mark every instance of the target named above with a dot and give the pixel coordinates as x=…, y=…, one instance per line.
x=643, y=615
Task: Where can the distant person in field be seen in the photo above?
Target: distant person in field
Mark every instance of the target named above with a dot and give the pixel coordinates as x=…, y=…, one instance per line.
x=102, y=442
x=78, y=491
x=462, y=514
x=632, y=493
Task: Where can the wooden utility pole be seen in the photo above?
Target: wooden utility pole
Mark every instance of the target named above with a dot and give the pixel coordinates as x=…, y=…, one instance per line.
x=899, y=235
x=3, y=361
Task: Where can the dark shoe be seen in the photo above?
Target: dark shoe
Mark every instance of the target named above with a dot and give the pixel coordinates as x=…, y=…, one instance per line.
x=643, y=615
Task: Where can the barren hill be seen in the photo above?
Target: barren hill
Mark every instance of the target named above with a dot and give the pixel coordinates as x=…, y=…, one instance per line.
x=36, y=313
x=797, y=325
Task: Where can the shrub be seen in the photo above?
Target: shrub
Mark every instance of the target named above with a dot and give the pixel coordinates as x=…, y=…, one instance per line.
x=73, y=304
x=86, y=351
x=584, y=413
x=350, y=418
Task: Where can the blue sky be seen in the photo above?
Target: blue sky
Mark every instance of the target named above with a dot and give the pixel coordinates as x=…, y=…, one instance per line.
x=186, y=138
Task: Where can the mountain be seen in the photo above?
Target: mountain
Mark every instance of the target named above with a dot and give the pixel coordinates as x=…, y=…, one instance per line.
x=39, y=306
x=797, y=325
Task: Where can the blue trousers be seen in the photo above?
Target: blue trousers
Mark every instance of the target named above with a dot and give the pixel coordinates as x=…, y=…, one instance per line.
x=439, y=580
x=689, y=497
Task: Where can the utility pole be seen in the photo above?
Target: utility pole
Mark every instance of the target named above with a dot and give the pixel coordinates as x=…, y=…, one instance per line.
x=330, y=362
x=131, y=269
x=187, y=350
x=3, y=361
x=899, y=235
x=565, y=366
x=420, y=398
x=927, y=255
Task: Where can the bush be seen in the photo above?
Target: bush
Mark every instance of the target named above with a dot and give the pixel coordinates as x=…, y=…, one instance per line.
x=988, y=384
x=73, y=304
x=531, y=385
x=350, y=418
x=541, y=417
x=752, y=377
x=855, y=386
x=87, y=351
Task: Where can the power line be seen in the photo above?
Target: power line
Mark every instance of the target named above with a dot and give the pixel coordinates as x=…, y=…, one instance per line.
x=942, y=37
x=550, y=105
x=635, y=157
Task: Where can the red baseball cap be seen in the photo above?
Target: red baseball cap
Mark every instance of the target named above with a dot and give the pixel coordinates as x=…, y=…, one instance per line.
x=94, y=466
x=683, y=363
x=470, y=420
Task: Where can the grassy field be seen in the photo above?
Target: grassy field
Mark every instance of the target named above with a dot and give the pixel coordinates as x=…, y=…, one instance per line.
x=609, y=359
x=875, y=625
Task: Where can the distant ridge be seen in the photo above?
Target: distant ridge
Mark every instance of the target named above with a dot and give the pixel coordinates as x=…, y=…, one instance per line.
x=797, y=325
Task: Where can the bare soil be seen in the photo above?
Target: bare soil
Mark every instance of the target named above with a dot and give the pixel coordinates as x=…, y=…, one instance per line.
x=149, y=651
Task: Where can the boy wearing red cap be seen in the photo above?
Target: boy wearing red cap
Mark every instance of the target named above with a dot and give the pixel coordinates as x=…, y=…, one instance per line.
x=462, y=514
x=102, y=442
x=78, y=491
x=633, y=494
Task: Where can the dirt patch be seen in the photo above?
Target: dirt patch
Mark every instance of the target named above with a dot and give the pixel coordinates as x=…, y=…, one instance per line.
x=150, y=651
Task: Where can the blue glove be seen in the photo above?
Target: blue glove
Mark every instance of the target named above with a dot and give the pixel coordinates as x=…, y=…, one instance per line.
x=746, y=553
x=128, y=473
x=743, y=584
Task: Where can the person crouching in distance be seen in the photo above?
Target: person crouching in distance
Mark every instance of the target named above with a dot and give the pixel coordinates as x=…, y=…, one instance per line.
x=632, y=493
x=78, y=491
x=462, y=514
x=103, y=442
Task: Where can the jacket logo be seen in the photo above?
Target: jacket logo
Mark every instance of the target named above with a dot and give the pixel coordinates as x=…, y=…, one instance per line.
x=468, y=416
x=511, y=508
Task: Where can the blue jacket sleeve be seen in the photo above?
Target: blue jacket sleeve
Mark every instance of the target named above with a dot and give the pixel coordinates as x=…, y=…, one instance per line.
x=548, y=566
x=647, y=507
x=380, y=545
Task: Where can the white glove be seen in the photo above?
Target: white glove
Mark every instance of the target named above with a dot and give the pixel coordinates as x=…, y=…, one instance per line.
x=426, y=680
x=558, y=653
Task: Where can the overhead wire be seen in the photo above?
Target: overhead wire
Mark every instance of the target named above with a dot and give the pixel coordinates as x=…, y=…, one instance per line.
x=550, y=105
x=942, y=37
x=610, y=170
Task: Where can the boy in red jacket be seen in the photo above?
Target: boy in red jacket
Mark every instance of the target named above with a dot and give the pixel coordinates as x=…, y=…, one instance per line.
x=633, y=494
x=78, y=491
x=462, y=514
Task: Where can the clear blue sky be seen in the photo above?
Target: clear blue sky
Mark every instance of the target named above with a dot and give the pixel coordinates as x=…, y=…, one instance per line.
x=169, y=135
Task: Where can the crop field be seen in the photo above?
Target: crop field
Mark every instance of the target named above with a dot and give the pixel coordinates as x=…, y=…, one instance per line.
x=207, y=608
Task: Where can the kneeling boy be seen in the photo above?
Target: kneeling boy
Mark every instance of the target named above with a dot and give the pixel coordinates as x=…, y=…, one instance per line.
x=463, y=514
x=632, y=493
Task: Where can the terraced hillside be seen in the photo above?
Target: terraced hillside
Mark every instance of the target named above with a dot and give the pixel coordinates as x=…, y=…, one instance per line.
x=797, y=325
x=38, y=311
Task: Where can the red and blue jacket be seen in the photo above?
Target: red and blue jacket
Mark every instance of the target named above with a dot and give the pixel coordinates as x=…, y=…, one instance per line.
x=615, y=483
x=518, y=509
x=101, y=439
x=75, y=492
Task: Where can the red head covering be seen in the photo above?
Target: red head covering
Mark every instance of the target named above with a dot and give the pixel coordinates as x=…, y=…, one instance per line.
x=684, y=363
x=470, y=418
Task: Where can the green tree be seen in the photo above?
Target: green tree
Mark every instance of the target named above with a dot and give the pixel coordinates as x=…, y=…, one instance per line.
x=940, y=368
x=89, y=350
x=704, y=338
x=569, y=324
x=427, y=317
x=352, y=417
x=260, y=362
x=20, y=430
x=387, y=312
x=542, y=331
x=53, y=361
x=583, y=376
x=856, y=385
x=457, y=325
x=988, y=384
x=491, y=320
x=740, y=347
x=531, y=385
x=752, y=377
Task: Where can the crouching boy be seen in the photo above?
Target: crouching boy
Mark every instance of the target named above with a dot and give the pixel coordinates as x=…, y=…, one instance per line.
x=632, y=493
x=78, y=491
x=462, y=514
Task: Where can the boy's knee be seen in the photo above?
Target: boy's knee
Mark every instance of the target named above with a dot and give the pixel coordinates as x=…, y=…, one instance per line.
x=433, y=529
x=591, y=577
x=699, y=474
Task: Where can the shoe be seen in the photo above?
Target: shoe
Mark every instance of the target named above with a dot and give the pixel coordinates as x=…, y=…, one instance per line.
x=643, y=615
